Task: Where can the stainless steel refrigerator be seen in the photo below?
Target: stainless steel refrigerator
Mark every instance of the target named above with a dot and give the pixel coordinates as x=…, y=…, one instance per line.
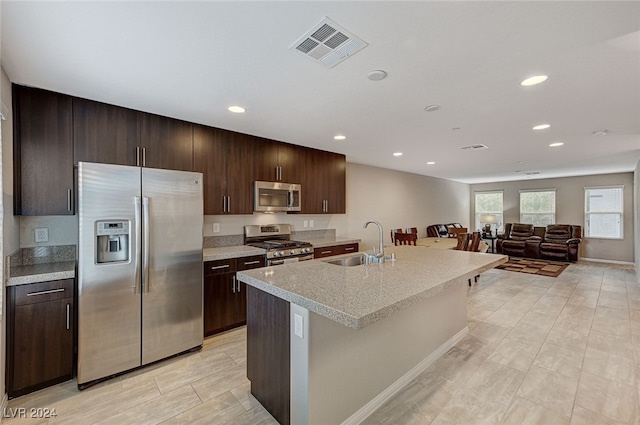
x=139, y=267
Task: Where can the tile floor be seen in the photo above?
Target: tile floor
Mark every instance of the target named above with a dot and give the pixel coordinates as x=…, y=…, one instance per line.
x=540, y=350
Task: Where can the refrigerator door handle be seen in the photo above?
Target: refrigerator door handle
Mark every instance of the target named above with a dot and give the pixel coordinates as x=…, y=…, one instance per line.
x=145, y=248
x=138, y=278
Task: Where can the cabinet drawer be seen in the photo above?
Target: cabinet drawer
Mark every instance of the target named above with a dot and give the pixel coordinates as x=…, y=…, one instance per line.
x=43, y=292
x=253, y=262
x=350, y=248
x=219, y=266
x=326, y=251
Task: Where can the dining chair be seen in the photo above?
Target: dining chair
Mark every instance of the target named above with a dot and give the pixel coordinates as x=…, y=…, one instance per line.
x=406, y=239
x=393, y=232
x=475, y=242
x=411, y=230
x=463, y=241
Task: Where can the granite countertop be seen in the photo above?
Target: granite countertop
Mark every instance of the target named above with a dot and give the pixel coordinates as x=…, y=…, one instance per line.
x=35, y=273
x=321, y=243
x=226, y=252
x=361, y=295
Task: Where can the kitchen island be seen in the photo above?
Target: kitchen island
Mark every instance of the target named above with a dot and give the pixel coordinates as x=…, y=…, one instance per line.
x=329, y=344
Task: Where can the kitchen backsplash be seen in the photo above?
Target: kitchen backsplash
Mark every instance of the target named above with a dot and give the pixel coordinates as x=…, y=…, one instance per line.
x=235, y=240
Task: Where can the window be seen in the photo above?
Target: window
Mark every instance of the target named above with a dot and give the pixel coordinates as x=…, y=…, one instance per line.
x=489, y=204
x=603, y=208
x=538, y=207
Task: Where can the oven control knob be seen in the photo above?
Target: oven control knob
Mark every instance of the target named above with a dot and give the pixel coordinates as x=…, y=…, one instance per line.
x=276, y=254
x=280, y=253
x=292, y=252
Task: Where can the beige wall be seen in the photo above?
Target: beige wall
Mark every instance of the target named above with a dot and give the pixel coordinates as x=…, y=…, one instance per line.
x=636, y=217
x=570, y=209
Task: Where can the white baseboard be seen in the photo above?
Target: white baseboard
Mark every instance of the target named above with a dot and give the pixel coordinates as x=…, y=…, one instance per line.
x=599, y=260
x=404, y=380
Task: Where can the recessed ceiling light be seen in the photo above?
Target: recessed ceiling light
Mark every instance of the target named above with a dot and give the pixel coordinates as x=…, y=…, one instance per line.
x=541, y=127
x=532, y=81
x=520, y=162
x=432, y=108
x=430, y=163
x=556, y=144
x=236, y=109
x=601, y=133
x=397, y=154
x=377, y=75
x=339, y=137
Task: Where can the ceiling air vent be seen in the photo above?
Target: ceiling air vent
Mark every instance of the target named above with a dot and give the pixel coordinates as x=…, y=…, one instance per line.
x=474, y=147
x=328, y=43
x=532, y=173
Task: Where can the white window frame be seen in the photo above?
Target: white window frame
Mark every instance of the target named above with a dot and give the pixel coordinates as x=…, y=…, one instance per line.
x=587, y=213
x=553, y=221
x=499, y=214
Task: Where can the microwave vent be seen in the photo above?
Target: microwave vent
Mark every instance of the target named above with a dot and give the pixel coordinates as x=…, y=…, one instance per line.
x=328, y=43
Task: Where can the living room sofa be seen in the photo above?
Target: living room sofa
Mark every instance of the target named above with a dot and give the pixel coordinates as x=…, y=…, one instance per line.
x=559, y=242
x=441, y=230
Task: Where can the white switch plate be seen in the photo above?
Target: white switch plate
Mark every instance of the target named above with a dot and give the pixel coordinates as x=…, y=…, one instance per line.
x=216, y=227
x=298, y=325
x=41, y=234
x=311, y=223
x=305, y=223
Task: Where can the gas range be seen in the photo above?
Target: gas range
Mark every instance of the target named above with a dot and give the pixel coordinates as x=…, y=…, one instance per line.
x=276, y=240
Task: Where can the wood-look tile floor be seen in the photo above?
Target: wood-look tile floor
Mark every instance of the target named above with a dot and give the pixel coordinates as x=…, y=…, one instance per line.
x=540, y=350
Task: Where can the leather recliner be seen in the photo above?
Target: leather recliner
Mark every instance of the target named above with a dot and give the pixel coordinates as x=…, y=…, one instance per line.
x=560, y=242
x=513, y=240
x=441, y=230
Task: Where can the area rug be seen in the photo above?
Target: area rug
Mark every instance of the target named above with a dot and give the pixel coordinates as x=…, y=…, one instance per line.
x=531, y=266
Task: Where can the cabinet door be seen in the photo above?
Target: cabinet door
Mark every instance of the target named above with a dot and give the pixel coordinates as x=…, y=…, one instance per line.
x=314, y=181
x=335, y=183
x=219, y=303
x=245, y=263
x=105, y=133
x=239, y=153
x=43, y=344
x=167, y=143
x=290, y=159
x=43, y=152
x=266, y=160
x=209, y=159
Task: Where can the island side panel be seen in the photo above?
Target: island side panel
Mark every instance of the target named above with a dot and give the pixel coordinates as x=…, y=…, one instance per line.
x=348, y=368
x=268, y=352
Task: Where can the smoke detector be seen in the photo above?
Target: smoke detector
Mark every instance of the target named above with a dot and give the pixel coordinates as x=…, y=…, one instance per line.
x=328, y=43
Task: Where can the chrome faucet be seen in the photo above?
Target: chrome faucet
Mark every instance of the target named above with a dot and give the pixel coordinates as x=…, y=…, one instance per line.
x=377, y=257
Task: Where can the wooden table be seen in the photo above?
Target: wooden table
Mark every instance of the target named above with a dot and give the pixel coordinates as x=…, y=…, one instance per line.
x=446, y=243
x=442, y=243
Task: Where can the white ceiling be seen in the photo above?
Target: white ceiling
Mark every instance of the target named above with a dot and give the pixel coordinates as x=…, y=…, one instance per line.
x=191, y=60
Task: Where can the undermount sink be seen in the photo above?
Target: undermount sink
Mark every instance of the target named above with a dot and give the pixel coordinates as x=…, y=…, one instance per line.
x=355, y=260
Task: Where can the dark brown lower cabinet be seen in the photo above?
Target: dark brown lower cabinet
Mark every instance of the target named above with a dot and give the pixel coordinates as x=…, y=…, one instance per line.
x=40, y=337
x=225, y=297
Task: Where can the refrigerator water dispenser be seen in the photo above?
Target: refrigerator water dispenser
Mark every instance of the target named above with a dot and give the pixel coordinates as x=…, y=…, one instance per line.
x=112, y=241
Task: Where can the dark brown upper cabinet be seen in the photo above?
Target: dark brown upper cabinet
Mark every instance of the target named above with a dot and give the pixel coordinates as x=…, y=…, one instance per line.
x=166, y=143
x=323, y=182
x=225, y=159
x=105, y=133
x=277, y=161
x=43, y=152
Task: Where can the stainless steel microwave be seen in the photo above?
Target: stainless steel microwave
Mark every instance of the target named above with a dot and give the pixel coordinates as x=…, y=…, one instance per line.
x=275, y=197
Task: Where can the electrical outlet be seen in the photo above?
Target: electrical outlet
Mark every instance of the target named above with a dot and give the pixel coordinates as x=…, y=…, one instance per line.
x=298, y=325
x=41, y=234
x=216, y=227
x=305, y=223
x=311, y=223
